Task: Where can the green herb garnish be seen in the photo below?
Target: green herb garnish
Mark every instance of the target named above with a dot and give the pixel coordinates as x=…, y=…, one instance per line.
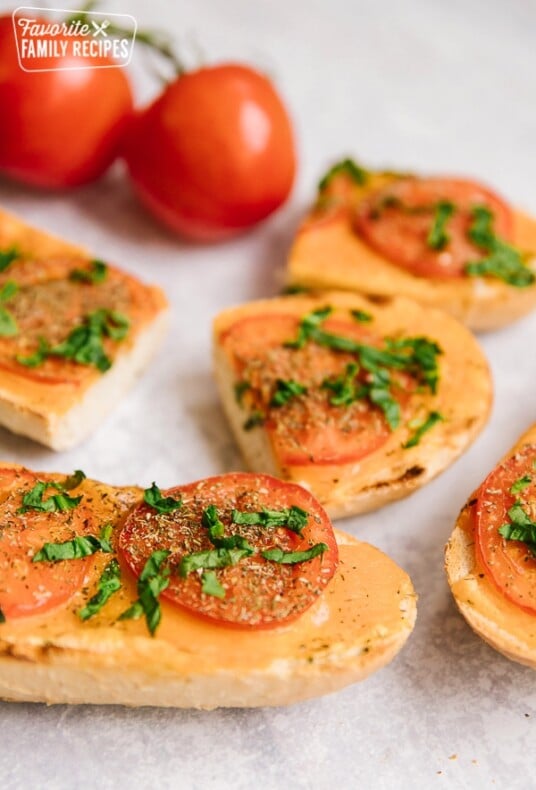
x=503, y=261
x=415, y=355
x=293, y=557
x=345, y=388
x=285, y=391
x=438, y=238
x=84, y=343
x=521, y=527
x=211, y=586
x=153, y=497
x=108, y=584
x=33, y=499
x=213, y=558
x=75, y=549
x=361, y=316
x=8, y=325
x=153, y=580
x=240, y=389
x=255, y=419
x=96, y=274
x=350, y=168
x=8, y=256
x=215, y=528
x=420, y=428
x=2, y=616
x=293, y=518
x=521, y=484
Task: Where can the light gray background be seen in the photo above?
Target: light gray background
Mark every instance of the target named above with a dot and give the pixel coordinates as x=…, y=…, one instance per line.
x=431, y=85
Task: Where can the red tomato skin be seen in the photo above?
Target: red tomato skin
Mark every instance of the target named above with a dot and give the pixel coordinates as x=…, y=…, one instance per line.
x=214, y=154
x=228, y=482
x=59, y=128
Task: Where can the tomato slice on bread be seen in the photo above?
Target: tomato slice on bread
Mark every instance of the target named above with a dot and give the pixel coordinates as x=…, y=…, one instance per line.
x=252, y=591
x=308, y=428
x=29, y=588
x=398, y=219
x=509, y=563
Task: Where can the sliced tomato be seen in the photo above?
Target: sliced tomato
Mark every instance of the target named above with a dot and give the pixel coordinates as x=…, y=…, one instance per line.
x=28, y=588
x=259, y=593
x=397, y=219
x=308, y=429
x=508, y=563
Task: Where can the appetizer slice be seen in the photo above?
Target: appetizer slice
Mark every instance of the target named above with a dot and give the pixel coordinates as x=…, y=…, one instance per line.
x=447, y=242
x=491, y=556
x=232, y=591
x=74, y=335
x=360, y=400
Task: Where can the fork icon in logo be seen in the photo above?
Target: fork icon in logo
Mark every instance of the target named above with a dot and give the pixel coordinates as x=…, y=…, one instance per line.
x=100, y=29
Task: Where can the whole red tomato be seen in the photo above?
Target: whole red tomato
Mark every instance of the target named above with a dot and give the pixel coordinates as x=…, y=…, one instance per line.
x=59, y=128
x=214, y=154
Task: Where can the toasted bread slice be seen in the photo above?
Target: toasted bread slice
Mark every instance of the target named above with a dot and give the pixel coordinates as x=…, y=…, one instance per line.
x=463, y=398
x=328, y=253
x=356, y=626
x=501, y=623
x=58, y=400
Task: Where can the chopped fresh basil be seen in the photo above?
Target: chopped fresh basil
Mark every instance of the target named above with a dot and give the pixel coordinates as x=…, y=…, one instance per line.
x=348, y=167
x=415, y=355
x=75, y=549
x=310, y=322
x=8, y=325
x=345, y=388
x=240, y=389
x=285, y=391
x=38, y=357
x=153, y=497
x=84, y=343
x=213, y=558
x=74, y=480
x=293, y=557
x=361, y=316
x=96, y=274
x=33, y=499
x=8, y=256
x=108, y=584
x=211, y=586
x=438, y=237
x=215, y=528
x=521, y=484
x=153, y=580
x=503, y=260
x=293, y=518
x=255, y=419
x=420, y=428
x=293, y=289
x=521, y=527
x=2, y=616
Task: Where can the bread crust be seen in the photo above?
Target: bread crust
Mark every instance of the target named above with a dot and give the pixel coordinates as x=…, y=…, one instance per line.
x=329, y=254
x=501, y=623
x=358, y=624
x=63, y=413
x=464, y=398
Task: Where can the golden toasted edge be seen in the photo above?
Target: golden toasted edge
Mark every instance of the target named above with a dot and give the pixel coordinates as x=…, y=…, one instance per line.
x=460, y=561
x=26, y=416
x=481, y=304
x=436, y=452
x=58, y=674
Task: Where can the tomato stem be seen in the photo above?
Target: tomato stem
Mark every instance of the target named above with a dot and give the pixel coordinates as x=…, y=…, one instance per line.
x=153, y=39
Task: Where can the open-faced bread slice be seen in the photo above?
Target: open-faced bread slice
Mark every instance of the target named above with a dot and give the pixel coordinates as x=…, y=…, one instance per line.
x=356, y=238
x=334, y=630
x=74, y=335
x=492, y=577
x=361, y=424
